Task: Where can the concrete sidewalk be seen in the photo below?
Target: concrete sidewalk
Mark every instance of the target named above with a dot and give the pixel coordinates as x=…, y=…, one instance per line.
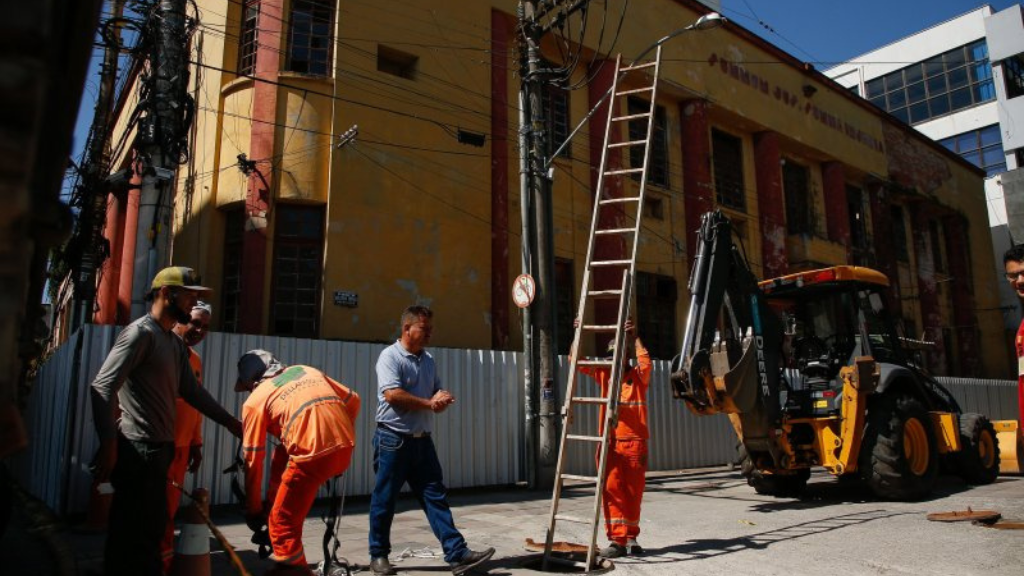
x=704, y=522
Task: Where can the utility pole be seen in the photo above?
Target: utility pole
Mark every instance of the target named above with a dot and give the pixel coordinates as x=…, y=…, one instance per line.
x=94, y=209
x=167, y=105
x=540, y=339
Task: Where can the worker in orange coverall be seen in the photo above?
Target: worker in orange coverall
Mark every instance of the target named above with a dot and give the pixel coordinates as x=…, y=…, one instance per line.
x=627, y=453
x=314, y=418
x=188, y=426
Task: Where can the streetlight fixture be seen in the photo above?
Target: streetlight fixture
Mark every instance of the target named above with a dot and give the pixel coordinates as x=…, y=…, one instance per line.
x=707, y=21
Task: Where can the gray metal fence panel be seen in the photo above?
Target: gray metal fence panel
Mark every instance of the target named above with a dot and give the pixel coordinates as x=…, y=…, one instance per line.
x=478, y=438
x=996, y=399
x=679, y=439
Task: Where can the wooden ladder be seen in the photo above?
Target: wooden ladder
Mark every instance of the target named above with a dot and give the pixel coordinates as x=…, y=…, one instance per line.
x=605, y=205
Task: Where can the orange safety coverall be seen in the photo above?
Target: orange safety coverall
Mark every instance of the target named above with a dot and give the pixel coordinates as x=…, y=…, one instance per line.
x=188, y=432
x=314, y=418
x=1020, y=375
x=627, y=454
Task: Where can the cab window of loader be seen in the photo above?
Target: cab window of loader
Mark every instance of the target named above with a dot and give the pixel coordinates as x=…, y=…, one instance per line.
x=877, y=325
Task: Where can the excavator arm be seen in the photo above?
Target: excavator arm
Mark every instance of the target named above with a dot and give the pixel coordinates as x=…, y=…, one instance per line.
x=730, y=359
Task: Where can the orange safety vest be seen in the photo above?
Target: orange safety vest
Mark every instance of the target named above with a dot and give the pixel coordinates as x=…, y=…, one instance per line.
x=1020, y=375
x=188, y=422
x=632, y=396
x=310, y=413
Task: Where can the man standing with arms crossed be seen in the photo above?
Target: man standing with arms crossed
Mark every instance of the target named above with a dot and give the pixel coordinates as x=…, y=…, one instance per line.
x=626, y=468
x=408, y=394
x=314, y=418
x=1013, y=262
x=144, y=373
x=188, y=426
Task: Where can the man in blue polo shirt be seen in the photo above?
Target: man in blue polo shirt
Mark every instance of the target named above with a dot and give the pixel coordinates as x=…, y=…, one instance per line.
x=408, y=394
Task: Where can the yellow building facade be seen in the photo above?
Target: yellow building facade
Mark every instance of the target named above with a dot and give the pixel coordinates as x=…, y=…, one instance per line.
x=304, y=233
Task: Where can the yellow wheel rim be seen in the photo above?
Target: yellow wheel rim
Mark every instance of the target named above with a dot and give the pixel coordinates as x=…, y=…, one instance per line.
x=915, y=446
x=987, y=449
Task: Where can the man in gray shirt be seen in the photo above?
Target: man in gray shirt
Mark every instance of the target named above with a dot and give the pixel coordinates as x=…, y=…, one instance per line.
x=408, y=394
x=144, y=373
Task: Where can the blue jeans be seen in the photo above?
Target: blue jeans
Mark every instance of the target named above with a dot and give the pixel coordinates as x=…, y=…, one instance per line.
x=397, y=459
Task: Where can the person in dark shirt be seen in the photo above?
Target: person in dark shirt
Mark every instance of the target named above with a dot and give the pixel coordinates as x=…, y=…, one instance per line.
x=143, y=375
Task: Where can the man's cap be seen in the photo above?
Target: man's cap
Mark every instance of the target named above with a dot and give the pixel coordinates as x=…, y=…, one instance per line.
x=203, y=307
x=255, y=365
x=179, y=276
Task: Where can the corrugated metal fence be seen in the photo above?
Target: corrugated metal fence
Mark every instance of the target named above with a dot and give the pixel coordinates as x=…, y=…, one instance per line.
x=479, y=439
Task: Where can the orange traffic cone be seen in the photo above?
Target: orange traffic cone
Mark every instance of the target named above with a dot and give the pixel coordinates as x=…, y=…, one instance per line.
x=192, y=556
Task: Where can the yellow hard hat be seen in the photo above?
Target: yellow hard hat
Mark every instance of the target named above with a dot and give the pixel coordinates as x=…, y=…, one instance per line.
x=179, y=276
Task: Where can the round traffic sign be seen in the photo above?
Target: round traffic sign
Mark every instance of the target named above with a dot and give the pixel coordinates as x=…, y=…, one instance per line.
x=523, y=290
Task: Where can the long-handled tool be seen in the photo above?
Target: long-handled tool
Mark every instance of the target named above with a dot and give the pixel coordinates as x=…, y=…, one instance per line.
x=235, y=560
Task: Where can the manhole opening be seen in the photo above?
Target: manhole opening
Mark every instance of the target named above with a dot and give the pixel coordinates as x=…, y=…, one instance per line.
x=569, y=564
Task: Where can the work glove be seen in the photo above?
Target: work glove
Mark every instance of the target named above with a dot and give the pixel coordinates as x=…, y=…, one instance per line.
x=195, y=457
x=256, y=522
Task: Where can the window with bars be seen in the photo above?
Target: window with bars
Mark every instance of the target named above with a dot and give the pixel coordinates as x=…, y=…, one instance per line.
x=231, y=284
x=309, y=37
x=298, y=268
x=656, y=313
x=899, y=233
x=565, y=303
x=555, y=102
x=248, y=37
x=1013, y=76
x=938, y=262
x=983, y=148
x=951, y=81
x=727, y=158
x=796, y=184
x=657, y=172
x=858, y=227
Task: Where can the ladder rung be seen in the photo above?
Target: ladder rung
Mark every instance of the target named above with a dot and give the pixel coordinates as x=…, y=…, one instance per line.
x=638, y=66
x=568, y=518
x=593, y=362
x=605, y=293
x=610, y=263
x=581, y=479
x=635, y=91
x=620, y=200
x=600, y=327
x=589, y=400
x=631, y=117
x=584, y=438
x=624, y=171
x=609, y=231
x=627, y=143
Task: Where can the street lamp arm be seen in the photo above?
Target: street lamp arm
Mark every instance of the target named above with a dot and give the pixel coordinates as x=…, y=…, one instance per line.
x=705, y=22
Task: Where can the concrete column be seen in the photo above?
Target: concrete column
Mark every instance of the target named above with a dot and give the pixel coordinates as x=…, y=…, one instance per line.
x=881, y=232
x=110, y=272
x=927, y=288
x=965, y=319
x=837, y=213
x=770, y=204
x=606, y=247
x=698, y=182
x=126, y=278
x=501, y=41
x=261, y=186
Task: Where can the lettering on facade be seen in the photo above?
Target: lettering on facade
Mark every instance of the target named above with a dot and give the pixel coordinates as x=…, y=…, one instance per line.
x=346, y=299
x=791, y=99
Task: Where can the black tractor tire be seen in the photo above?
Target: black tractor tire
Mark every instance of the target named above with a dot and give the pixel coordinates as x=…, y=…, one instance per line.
x=899, y=456
x=977, y=462
x=779, y=485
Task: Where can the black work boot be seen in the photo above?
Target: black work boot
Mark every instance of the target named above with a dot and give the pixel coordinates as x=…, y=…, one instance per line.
x=381, y=567
x=471, y=560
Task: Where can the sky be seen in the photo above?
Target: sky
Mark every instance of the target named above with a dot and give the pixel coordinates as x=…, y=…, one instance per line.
x=828, y=32
x=824, y=32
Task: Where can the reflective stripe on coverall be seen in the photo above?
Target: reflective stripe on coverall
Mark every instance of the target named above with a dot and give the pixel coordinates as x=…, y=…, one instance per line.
x=314, y=418
x=188, y=432
x=627, y=454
